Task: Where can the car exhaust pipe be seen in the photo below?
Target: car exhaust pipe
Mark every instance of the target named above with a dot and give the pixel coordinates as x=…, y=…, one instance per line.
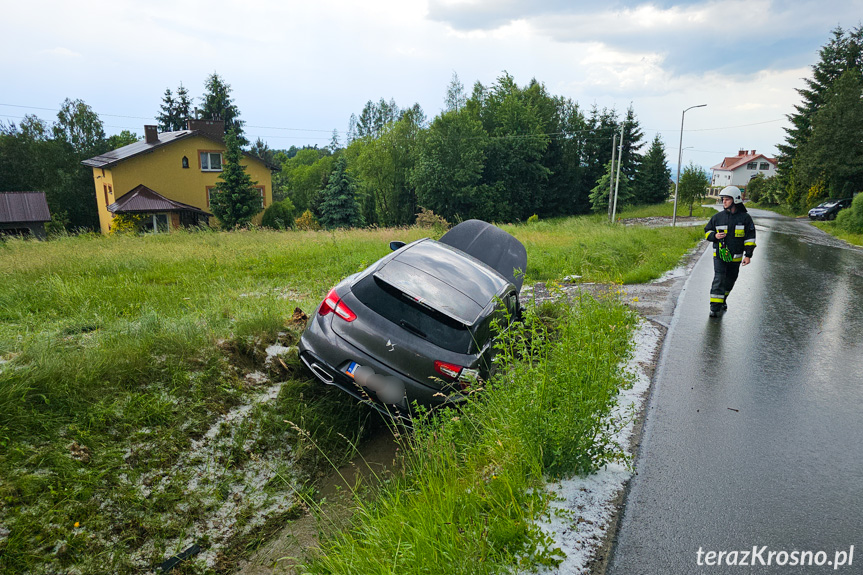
x=321, y=373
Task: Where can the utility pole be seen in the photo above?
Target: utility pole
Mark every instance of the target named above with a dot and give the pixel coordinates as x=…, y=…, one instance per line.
x=611, y=177
x=619, y=161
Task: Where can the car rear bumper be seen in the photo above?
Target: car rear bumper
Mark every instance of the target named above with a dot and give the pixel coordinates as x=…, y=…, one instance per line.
x=314, y=347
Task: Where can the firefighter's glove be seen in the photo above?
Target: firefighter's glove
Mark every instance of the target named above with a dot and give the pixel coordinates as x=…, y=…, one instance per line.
x=723, y=251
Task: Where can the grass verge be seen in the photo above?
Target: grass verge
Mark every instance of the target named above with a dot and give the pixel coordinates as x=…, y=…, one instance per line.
x=833, y=230
x=472, y=485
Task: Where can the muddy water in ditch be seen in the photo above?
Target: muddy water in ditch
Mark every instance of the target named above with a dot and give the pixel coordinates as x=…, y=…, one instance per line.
x=376, y=459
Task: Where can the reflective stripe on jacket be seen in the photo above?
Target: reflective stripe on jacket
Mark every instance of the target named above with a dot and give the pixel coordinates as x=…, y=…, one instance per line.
x=740, y=230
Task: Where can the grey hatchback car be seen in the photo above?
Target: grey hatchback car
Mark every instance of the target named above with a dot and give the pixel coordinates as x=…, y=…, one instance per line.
x=418, y=325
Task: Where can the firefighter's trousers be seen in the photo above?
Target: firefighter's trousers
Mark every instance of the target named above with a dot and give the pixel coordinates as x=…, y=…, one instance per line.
x=724, y=276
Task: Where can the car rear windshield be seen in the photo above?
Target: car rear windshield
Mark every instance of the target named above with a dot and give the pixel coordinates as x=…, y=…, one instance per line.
x=417, y=318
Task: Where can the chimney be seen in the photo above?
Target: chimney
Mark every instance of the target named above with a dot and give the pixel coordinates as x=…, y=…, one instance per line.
x=151, y=134
x=753, y=152
x=212, y=128
x=741, y=153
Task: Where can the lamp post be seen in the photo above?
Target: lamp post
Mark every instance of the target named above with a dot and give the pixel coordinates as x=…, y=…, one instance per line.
x=679, y=160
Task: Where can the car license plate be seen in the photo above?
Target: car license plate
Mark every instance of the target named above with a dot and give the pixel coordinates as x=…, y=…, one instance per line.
x=352, y=368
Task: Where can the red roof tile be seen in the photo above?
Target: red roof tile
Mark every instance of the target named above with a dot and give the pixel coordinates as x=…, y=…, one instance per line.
x=731, y=163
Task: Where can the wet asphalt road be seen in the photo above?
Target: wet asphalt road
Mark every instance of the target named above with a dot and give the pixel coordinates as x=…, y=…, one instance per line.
x=754, y=431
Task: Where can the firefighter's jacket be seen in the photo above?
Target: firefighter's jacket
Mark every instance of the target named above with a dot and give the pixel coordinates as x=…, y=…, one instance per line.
x=740, y=230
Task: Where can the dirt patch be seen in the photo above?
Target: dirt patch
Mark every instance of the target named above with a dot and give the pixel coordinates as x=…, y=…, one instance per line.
x=663, y=221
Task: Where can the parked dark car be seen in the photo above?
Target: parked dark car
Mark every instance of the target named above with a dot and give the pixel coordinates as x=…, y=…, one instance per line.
x=419, y=324
x=829, y=209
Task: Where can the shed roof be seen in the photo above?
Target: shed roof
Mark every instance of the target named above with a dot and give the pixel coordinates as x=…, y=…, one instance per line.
x=142, y=199
x=23, y=207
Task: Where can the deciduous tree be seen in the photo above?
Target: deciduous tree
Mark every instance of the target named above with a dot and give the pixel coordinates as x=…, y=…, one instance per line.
x=693, y=185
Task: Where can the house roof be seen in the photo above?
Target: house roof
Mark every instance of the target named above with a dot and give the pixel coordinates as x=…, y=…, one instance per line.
x=23, y=207
x=142, y=199
x=731, y=163
x=114, y=157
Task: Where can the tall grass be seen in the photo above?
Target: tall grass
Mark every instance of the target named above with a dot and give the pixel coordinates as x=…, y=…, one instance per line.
x=121, y=357
x=598, y=252
x=666, y=209
x=471, y=488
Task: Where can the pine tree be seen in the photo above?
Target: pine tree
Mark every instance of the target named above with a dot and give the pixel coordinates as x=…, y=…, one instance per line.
x=455, y=96
x=235, y=200
x=182, y=107
x=843, y=52
x=599, y=195
x=167, y=119
x=833, y=154
x=218, y=105
x=632, y=143
x=338, y=206
x=653, y=176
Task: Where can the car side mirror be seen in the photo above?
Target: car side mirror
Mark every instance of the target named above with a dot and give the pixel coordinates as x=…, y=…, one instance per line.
x=396, y=245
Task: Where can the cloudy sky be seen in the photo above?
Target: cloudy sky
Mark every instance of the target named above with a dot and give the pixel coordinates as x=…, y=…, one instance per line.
x=298, y=70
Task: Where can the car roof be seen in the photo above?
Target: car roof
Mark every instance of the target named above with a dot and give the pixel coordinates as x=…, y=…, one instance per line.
x=443, y=278
x=488, y=243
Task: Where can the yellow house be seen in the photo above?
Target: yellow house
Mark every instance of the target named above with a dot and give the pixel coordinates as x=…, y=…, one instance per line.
x=168, y=177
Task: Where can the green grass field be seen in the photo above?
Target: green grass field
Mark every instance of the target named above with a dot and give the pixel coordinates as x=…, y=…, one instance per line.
x=138, y=414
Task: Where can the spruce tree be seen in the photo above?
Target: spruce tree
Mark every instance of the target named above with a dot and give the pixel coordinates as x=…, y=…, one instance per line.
x=182, y=107
x=599, y=195
x=843, y=52
x=338, y=206
x=167, y=117
x=235, y=200
x=652, y=181
x=218, y=105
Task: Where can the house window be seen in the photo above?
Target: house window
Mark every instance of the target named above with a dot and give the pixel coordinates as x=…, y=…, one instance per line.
x=209, y=191
x=105, y=189
x=211, y=161
x=185, y=162
x=752, y=166
x=159, y=223
x=764, y=166
x=263, y=196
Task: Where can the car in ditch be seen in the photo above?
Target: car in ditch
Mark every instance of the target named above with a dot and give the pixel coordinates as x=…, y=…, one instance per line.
x=419, y=325
x=828, y=210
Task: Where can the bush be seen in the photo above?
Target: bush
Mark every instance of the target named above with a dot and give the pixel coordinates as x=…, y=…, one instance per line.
x=533, y=219
x=279, y=216
x=307, y=221
x=851, y=219
x=126, y=224
x=429, y=219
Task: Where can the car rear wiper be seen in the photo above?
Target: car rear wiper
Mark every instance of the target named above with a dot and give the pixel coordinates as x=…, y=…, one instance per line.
x=412, y=328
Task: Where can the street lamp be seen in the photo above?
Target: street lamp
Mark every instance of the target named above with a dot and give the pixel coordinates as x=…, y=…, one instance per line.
x=679, y=160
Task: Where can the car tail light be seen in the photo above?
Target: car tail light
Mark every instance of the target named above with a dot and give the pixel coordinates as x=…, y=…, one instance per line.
x=449, y=370
x=335, y=304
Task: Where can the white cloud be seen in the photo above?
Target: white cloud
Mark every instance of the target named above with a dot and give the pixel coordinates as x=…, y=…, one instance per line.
x=60, y=52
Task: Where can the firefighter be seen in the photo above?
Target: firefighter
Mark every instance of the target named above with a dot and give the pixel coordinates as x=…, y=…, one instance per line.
x=732, y=232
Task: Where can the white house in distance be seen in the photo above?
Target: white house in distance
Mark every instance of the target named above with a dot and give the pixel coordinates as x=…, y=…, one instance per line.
x=738, y=170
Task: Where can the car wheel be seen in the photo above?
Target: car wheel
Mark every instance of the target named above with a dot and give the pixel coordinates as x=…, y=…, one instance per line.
x=831, y=216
